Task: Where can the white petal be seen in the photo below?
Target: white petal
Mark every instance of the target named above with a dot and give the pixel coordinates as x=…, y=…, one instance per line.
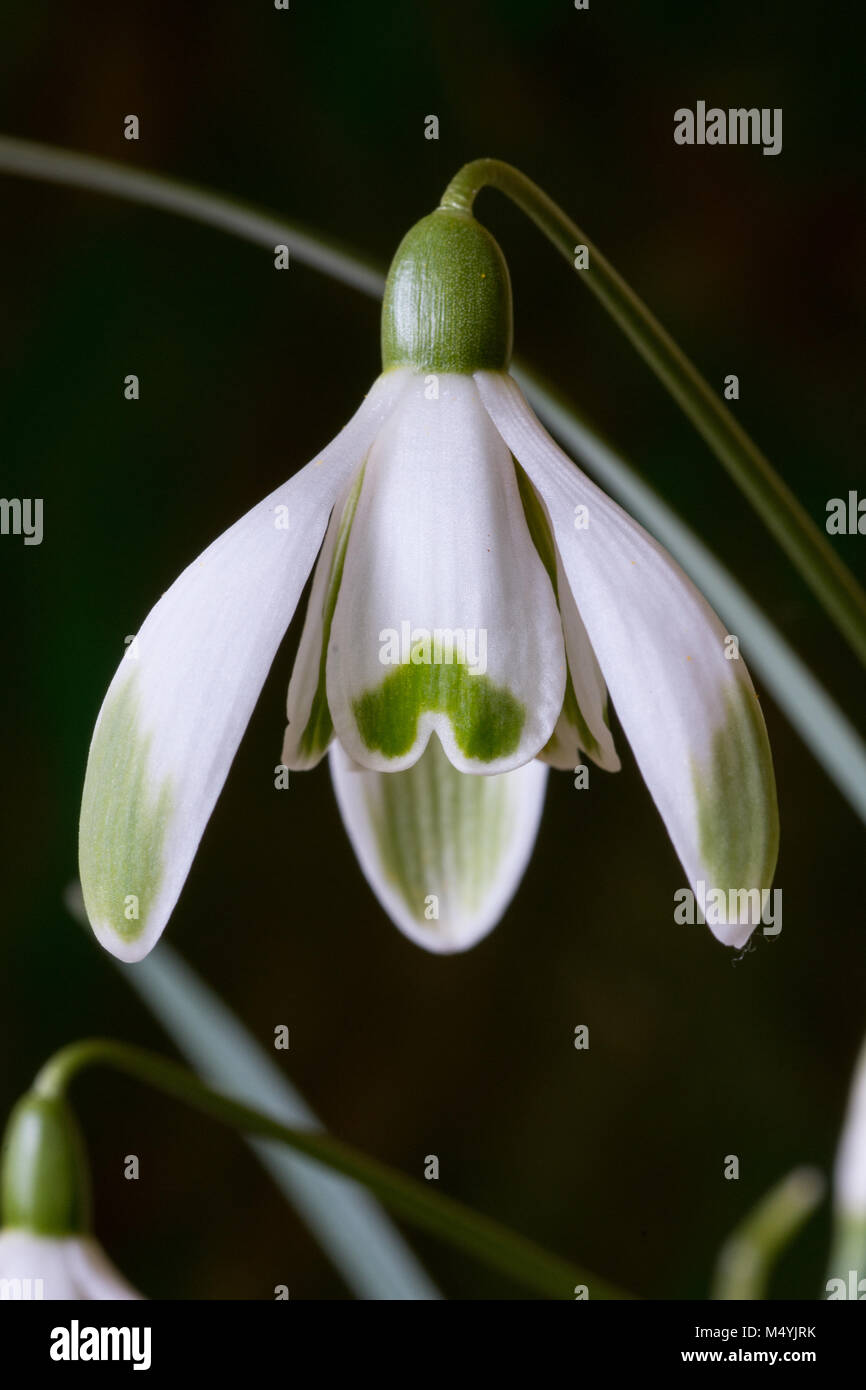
x=94, y=1275
x=440, y=545
x=57, y=1268
x=690, y=714
x=309, y=729
x=432, y=840
x=182, y=697
x=850, y=1172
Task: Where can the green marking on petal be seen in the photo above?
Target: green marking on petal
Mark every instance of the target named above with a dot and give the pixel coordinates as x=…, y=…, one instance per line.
x=486, y=718
x=124, y=819
x=738, y=817
x=440, y=831
x=319, y=728
x=539, y=531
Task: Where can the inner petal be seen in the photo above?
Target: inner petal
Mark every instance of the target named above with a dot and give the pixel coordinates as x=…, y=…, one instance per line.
x=583, y=725
x=446, y=619
x=309, y=728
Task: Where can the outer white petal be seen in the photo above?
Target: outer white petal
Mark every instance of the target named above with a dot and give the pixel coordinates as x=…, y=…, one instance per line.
x=181, y=699
x=690, y=714
x=440, y=544
x=57, y=1268
x=432, y=838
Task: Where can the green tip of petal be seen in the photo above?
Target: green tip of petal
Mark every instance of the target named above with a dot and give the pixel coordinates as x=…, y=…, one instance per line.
x=124, y=819
x=447, y=304
x=486, y=718
x=738, y=817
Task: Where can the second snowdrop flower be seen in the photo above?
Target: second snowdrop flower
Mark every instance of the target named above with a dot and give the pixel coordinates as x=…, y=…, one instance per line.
x=47, y=1250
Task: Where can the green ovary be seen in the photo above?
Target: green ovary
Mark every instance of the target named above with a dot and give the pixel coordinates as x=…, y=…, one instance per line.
x=486, y=718
x=124, y=819
x=738, y=818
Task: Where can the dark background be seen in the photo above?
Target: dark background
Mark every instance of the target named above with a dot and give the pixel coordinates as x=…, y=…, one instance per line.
x=615, y=1156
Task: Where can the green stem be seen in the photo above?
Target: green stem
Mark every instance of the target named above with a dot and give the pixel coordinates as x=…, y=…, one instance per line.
x=804, y=543
x=488, y=1241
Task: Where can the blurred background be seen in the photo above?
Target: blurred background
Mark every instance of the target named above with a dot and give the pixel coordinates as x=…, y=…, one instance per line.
x=614, y=1157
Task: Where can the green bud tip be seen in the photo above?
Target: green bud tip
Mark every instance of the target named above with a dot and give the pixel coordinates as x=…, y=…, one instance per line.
x=447, y=304
x=44, y=1177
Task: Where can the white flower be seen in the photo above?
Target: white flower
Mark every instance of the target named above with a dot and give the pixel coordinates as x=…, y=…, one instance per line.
x=57, y=1267
x=847, y=1265
x=850, y=1169
x=475, y=598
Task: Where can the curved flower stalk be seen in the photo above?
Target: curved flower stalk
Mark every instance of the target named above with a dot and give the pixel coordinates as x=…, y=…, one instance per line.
x=54, y=1188
x=46, y=1249
x=475, y=598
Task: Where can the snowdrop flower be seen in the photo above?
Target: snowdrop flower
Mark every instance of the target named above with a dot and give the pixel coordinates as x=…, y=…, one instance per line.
x=849, y=1183
x=475, y=599
x=46, y=1249
x=57, y=1267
